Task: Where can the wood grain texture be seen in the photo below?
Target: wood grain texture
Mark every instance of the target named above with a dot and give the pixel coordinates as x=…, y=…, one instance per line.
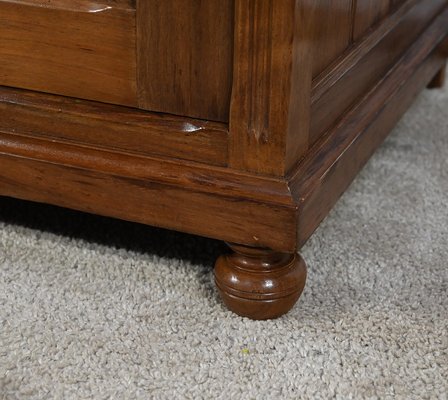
x=189, y=197
x=82, y=49
x=331, y=30
x=368, y=13
x=272, y=81
x=185, y=54
x=334, y=162
x=113, y=127
x=217, y=202
x=359, y=77
x=359, y=50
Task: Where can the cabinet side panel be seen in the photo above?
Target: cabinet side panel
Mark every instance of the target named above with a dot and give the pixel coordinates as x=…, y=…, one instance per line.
x=332, y=30
x=367, y=62
x=367, y=14
x=185, y=57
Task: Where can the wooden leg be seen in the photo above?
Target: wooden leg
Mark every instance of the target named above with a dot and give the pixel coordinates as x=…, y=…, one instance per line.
x=439, y=80
x=259, y=283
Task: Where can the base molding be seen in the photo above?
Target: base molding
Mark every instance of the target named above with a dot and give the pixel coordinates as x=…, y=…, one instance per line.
x=189, y=198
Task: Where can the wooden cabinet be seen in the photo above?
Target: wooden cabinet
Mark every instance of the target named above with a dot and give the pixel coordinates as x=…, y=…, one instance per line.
x=241, y=120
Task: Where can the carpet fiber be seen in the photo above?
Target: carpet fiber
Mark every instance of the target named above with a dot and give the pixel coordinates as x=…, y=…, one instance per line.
x=97, y=308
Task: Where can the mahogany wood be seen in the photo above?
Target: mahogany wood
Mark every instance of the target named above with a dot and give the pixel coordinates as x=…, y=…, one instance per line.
x=359, y=49
x=291, y=98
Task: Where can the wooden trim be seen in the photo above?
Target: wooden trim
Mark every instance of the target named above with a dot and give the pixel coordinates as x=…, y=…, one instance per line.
x=203, y=200
x=189, y=175
x=330, y=168
x=361, y=76
x=269, y=115
x=336, y=71
x=113, y=127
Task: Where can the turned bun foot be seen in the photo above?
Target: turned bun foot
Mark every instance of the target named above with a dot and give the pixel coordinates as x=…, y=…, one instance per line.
x=258, y=283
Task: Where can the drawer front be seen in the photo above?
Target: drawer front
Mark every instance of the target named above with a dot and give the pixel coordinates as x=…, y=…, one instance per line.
x=170, y=56
x=78, y=48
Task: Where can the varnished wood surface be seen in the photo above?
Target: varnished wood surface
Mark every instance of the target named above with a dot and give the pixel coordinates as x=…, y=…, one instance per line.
x=82, y=49
x=189, y=197
x=332, y=22
x=185, y=56
x=187, y=175
x=367, y=13
x=269, y=116
x=301, y=123
x=365, y=74
x=339, y=25
x=271, y=126
x=114, y=127
x=360, y=49
x=166, y=56
x=330, y=168
x=162, y=205
x=56, y=138
x=259, y=283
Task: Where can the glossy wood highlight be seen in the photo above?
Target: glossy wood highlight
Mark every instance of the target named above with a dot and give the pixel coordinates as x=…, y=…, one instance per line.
x=189, y=197
x=112, y=127
x=259, y=283
x=82, y=49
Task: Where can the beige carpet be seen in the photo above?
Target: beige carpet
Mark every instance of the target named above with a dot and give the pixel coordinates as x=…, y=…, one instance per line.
x=103, y=309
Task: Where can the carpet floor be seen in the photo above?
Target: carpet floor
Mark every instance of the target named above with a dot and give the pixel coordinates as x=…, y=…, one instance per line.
x=92, y=307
